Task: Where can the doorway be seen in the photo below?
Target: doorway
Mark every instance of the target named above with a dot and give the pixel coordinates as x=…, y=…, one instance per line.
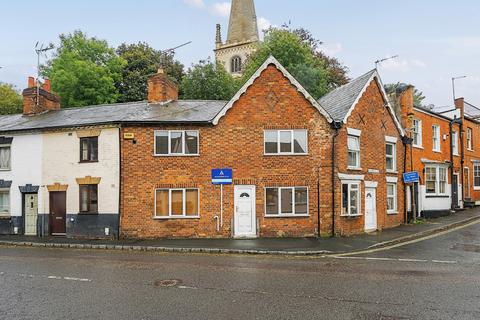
x=58, y=213
x=370, y=209
x=30, y=211
x=245, y=225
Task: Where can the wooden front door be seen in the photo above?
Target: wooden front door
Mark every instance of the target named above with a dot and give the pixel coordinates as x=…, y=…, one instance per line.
x=30, y=206
x=58, y=213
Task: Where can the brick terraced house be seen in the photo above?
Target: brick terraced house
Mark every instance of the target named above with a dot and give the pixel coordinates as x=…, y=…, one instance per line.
x=301, y=167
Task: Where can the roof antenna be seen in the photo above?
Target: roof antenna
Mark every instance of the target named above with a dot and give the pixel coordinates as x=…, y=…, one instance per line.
x=165, y=53
x=383, y=60
x=41, y=51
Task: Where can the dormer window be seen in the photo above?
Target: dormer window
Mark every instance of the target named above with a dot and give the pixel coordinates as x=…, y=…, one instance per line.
x=236, y=64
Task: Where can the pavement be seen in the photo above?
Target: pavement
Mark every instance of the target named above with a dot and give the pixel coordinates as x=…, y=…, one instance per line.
x=273, y=246
x=436, y=278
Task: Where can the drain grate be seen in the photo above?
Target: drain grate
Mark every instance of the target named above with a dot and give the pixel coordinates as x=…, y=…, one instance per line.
x=167, y=283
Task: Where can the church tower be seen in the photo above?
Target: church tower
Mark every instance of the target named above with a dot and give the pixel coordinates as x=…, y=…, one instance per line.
x=242, y=37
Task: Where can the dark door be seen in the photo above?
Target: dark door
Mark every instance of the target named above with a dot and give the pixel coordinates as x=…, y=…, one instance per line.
x=455, y=191
x=58, y=212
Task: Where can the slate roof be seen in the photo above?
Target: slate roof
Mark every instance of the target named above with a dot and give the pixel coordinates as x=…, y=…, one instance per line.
x=181, y=111
x=472, y=110
x=338, y=102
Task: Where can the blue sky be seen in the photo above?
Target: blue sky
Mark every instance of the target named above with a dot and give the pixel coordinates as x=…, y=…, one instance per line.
x=435, y=40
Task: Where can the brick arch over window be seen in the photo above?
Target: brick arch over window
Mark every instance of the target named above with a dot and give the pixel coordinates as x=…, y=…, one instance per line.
x=236, y=64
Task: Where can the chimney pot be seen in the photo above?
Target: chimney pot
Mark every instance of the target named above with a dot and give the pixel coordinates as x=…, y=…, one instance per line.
x=38, y=102
x=31, y=82
x=47, y=85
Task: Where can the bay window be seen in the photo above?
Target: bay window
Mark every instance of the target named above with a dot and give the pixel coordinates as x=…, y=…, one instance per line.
x=436, y=180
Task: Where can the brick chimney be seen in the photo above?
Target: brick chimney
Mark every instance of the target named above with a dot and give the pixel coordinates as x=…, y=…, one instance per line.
x=161, y=88
x=46, y=99
x=460, y=105
x=406, y=104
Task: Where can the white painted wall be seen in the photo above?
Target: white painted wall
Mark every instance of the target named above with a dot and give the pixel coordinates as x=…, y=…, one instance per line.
x=26, y=167
x=61, y=164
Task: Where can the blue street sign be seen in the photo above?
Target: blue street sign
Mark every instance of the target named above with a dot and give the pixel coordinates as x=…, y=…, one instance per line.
x=222, y=176
x=411, y=177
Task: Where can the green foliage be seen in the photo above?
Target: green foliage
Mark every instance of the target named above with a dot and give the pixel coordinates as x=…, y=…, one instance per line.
x=84, y=71
x=10, y=100
x=418, y=96
x=142, y=61
x=207, y=81
x=297, y=51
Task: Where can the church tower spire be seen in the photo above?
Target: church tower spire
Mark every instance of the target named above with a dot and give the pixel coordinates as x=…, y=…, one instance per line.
x=243, y=22
x=242, y=39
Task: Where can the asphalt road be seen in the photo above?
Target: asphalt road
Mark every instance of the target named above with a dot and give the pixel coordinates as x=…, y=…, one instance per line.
x=437, y=278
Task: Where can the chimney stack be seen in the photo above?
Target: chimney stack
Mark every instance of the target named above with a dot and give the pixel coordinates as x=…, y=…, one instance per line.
x=460, y=105
x=161, y=88
x=34, y=103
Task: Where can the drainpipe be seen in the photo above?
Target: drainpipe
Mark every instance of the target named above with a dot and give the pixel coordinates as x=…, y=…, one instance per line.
x=452, y=122
x=120, y=185
x=318, y=202
x=407, y=142
x=336, y=126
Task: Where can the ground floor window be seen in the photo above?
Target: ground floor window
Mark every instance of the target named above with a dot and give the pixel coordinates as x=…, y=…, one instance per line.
x=351, y=199
x=88, y=198
x=436, y=180
x=4, y=202
x=391, y=197
x=177, y=203
x=476, y=176
x=286, y=201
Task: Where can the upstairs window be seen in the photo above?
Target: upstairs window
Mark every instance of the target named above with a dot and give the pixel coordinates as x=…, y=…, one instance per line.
x=176, y=143
x=285, y=142
x=89, y=149
x=417, y=133
x=88, y=198
x=455, y=143
x=469, y=139
x=5, y=157
x=353, y=152
x=236, y=64
x=436, y=138
x=391, y=157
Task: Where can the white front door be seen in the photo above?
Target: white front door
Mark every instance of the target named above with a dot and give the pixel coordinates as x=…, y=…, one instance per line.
x=370, y=209
x=31, y=214
x=244, y=216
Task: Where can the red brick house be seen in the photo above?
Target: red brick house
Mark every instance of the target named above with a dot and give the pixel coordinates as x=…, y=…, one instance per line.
x=293, y=160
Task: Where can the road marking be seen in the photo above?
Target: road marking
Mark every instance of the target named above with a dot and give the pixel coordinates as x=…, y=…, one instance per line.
x=392, y=259
x=407, y=242
x=50, y=277
x=443, y=261
x=412, y=260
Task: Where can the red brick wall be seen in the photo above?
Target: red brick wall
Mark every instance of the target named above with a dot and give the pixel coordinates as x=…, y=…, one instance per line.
x=236, y=142
x=375, y=122
x=471, y=155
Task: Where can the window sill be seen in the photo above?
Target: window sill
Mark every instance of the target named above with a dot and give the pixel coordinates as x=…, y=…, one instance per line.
x=176, y=218
x=351, y=215
x=471, y=150
x=392, y=172
x=88, y=161
x=4, y=216
x=176, y=155
x=392, y=213
x=88, y=213
x=476, y=188
x=285, y=154
x=354, y=169
x=438, y=196
x=418, y=147
x=287, y=216
x=437, y=151
x=456, y=155
x=9, y=169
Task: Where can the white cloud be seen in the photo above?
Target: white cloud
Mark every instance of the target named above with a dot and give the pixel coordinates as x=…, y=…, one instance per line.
x=263, y=24
x=331, y=49
x=195, y=3
x=402, y=65
x=221, y=9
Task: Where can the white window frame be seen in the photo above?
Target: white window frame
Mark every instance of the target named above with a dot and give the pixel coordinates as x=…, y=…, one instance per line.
x=394, y=196
x=357, y=166
x=417, y=130
x=359, y=202
x=9, y=146
x=437, y=181
x=184, y=141
x=436, y=142
x=292, y=143
x=184, y=204
x=469, y=139
x=455, y=143
x=393, y=157
x=476, y=173
x=9, y=205
x=286, y=215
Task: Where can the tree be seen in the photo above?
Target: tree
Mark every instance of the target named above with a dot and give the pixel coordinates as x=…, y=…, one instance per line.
x=10, y=100
x=142, y=61
x=418, y=96
x=84, y=71
x=297, y=51
x=207, y=81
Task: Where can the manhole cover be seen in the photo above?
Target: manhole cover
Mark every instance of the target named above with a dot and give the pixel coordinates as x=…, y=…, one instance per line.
x=167, y=283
